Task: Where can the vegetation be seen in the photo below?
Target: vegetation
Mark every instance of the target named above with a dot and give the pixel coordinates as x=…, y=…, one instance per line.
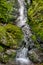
x=39, y=64
x=35, y=19
x=6, y=9
x=10, y=34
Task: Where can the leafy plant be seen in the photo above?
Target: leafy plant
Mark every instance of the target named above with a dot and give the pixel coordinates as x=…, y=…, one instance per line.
x=35, y=15
x=6, y=9
x=10, y=35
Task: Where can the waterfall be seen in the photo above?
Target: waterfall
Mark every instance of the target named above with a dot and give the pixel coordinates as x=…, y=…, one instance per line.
x=21, y=58
x=22, y=10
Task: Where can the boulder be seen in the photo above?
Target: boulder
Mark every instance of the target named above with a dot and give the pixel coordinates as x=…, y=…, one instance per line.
x=36, y=55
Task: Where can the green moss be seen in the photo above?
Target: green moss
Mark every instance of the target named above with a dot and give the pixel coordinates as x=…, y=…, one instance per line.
x=35, y=20
x=5, y=58
x=16, y=31
x=35, y=16
x=2, y=35
x=33, y=58
x=13, y=55
x=1, y=49
x=33, y=37
x=39, y=64
x=36, y=44
x=6, y=9
x=10, y=35
x=14, y=35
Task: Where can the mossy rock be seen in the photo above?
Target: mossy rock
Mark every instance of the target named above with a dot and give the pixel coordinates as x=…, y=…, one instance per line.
x=11, y=53
x=1, y=49
x=39, y=64
x=34, y=37
x=36, y=44
x=10, y=35
x=36, y=55
x=33, y=56
x=7, y=55
x=2, y=35
x=35, y=15
x=4, y=58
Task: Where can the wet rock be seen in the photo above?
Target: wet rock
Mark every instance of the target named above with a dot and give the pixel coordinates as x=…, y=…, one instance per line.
x=9, y=42
x=39, y=40
x=11, y=52
x=36, y=55
x=6, y=56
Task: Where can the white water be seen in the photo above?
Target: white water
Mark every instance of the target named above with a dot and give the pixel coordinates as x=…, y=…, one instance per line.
x=23, y=53
x=22, y=58
x=22, y=18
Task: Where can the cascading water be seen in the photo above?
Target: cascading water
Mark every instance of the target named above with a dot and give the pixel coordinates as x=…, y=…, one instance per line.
x=22, y=10
x=21, y=58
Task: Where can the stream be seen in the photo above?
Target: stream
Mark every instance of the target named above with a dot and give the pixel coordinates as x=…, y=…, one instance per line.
x=21, y=58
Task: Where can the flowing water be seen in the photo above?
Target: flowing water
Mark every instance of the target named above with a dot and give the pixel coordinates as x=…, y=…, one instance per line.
x=21, y=58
